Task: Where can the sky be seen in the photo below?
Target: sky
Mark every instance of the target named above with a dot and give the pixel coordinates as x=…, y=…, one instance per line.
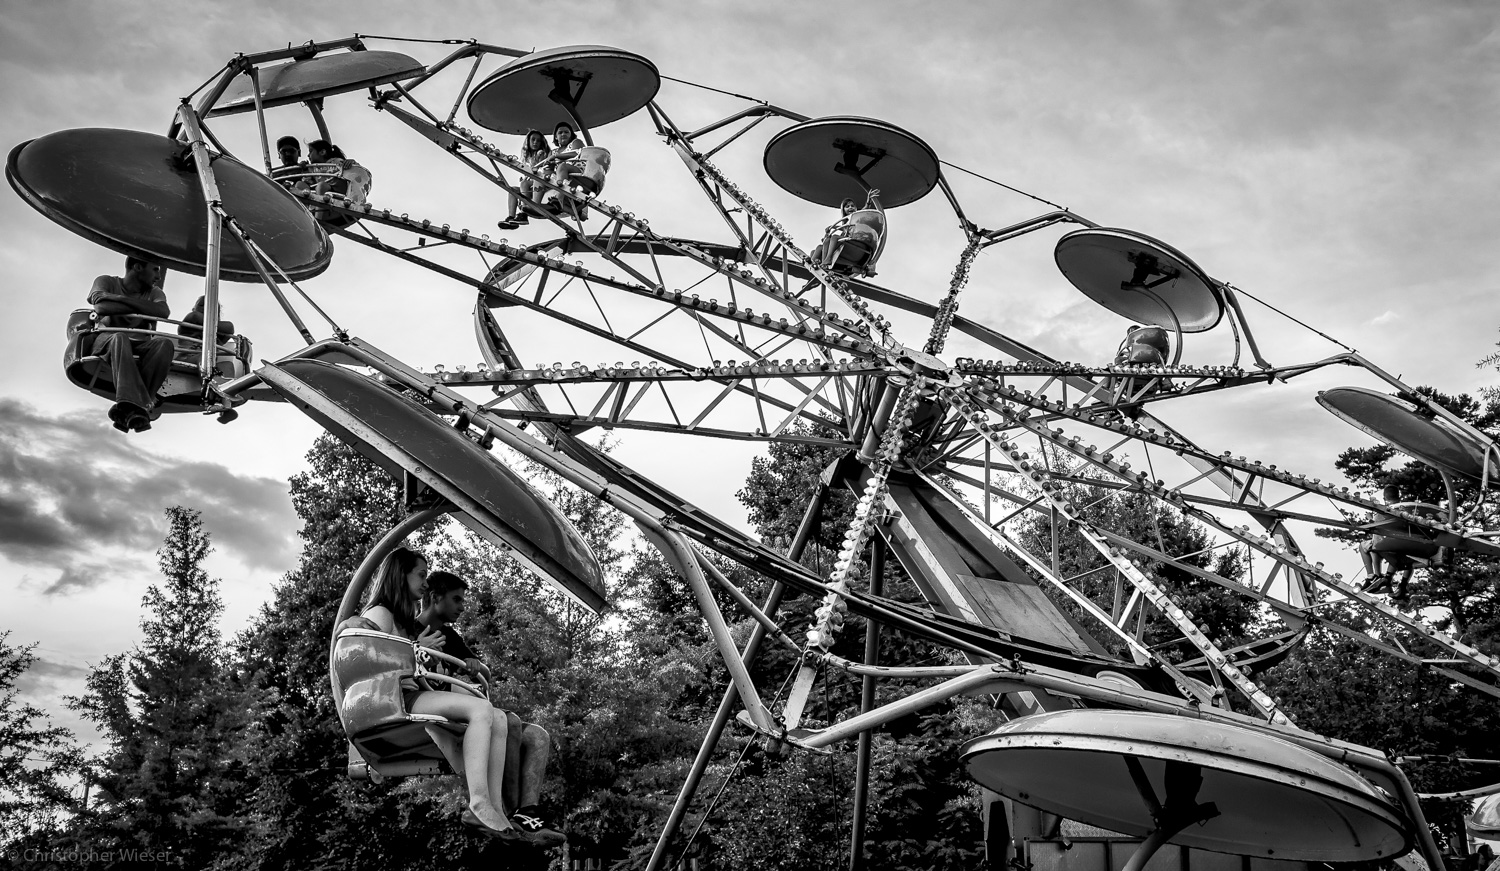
x=1336, y=160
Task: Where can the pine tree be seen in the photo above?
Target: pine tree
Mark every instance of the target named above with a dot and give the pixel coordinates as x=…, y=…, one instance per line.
x=37, y=760
x=171, y=781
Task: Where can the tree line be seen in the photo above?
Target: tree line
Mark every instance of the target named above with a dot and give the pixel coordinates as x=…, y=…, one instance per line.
x=227, y=752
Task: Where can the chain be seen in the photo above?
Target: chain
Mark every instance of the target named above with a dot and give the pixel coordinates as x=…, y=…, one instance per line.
x=942, y=322
x=830, y=614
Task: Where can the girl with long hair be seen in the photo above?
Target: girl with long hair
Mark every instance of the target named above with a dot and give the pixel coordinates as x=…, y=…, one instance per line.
x=393, y=607
x=535, y=153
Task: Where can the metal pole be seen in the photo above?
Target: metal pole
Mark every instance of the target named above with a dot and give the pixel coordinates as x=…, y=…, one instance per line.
x=674, y=546
x=211, y=201
x=260, y=118
x=866, y=704
x=805, y=531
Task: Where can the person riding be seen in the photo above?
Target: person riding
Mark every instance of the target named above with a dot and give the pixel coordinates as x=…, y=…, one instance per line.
x=139, y=364
x=393, y=607
x=1395, y=554
x=529, y=744
x=563, y=161
x=534, y=153
x=289, y=150
x=852, y=243
x=352, y=182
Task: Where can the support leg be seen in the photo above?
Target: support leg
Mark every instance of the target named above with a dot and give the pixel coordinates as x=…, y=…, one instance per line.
x=805, y=532
x=866, y=704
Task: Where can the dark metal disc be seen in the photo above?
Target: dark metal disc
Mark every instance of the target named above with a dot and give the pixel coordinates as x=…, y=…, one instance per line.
x=1396, y=423
x=1141, y=278
x=803, y=160
x=516, y=98
x=400, y=435
x=1274, y=799
x=137, y=193
x=322, y=76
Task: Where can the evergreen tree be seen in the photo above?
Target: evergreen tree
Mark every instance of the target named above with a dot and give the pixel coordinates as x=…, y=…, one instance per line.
x=171, y=781
x=1340, y=687
x=1142, y=518
x=37, y=760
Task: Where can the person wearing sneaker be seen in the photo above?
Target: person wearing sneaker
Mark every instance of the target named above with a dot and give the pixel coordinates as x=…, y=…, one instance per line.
x=563, y=161
x=534, y=153
x=138, y=362
x=529, y=746
x=392, y=607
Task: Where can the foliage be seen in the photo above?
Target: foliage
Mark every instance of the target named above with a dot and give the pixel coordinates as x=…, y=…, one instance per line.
x=171, y=781
x=37, y=760
x=1229, y=619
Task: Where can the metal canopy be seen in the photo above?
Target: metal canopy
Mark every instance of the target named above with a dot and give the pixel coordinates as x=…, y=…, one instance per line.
x=400, y=435
x=322, y=76
x=138, y=193
x=1484, y=821
x=605, y=84
x=1433, y=441
x=1141, y=278
x=805, y=160
x=1272, y=798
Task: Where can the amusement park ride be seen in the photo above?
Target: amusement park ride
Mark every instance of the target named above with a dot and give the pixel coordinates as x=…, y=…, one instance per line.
x=744, y=335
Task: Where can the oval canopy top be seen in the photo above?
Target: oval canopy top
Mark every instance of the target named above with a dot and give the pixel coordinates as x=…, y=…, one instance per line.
x=322, y=76
x=806, y=159
x=1484, y=821
x=1141, y=278
x=1433, y=441
x=1273, y=798
x=138, y=193
x=605, y=84
x=400, y=435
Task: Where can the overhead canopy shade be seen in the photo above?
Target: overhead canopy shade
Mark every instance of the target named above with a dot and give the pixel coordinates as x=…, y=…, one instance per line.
x=400, y=435
x=607, y=83
x=1141, y=278
x=1271, y=798
x=803, y=159
x=1484, y=821
x=322, y=76
x=138, y=193
x=1433, y=441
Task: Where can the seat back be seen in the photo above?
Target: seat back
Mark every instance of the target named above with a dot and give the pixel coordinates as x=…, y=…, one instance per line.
x=596, y=163
x=367, y=669
x=1139, y=355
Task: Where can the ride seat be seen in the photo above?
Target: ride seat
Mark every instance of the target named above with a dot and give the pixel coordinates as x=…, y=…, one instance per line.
x=368, y=669
x=1143, y=346
x=183, y=387
x=854, y=246
x=594, y=163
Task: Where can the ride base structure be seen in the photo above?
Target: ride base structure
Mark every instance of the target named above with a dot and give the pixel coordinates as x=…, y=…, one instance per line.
x=746, y=336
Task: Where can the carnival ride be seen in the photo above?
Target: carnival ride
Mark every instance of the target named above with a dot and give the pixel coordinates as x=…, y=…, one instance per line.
x=739, y=334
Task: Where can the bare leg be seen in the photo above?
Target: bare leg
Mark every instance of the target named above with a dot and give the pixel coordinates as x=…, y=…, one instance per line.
x=478, y=744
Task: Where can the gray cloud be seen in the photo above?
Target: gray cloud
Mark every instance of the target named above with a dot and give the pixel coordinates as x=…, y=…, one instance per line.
x=71, y=488
x=45, y=676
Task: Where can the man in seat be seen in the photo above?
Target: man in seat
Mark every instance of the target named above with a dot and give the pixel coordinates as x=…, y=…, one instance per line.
x=138, y=364
x=445, y=603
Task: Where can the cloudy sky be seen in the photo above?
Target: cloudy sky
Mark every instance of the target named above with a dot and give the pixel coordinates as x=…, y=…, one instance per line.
x=1337, y=160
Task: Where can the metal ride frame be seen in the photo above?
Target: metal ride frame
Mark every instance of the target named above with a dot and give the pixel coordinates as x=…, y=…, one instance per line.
x=960, y=430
